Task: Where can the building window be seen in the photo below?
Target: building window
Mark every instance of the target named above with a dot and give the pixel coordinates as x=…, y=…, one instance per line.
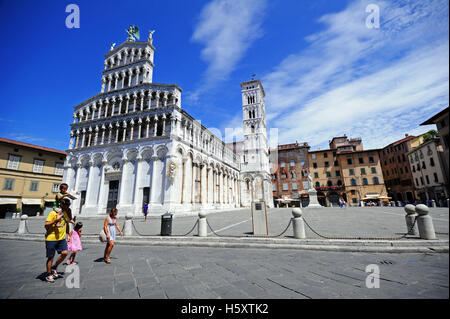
x=371, y=160
x=353, y=192
x=59, y=169
x=314, y=165
x=339, y=183
x=431, y=162
x=424, y=166
x=325, y=155
x=354, y=200
x=38, y=166
x=316, y=175
x=317, y=184
x=9, y=184
x=406, y=169
x=329, y=183
x=55, y=188
x=363, y=171
x=421, y=180
x=364, y=181
x=327, y=164
x=313, y=156
x=328, y=174
x=349, y=161
x=34, y=186
x=351, y=171
x=274, y=187
x=428, y=180
x=375, y=181
x=285, y=187
x=338, y=173
x=373, y=170
x=293, y=175
x=294, y=186
x=283, y=164
x=361, y=160
x=417, y=182
x=353, y=182
x=414, y=169
x=336, y=163
x=13, y=162
x=292, y=163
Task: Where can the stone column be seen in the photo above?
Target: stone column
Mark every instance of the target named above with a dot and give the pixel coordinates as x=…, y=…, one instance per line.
x=103, y=134
x=127, y=97
x=84, y=135
x=110, y=127
x=89, y=190
x=194, y=178
x=156, y=126
x=89, y=137
x=156, y=183
x=120, y=104
x=99, y=109
x=124, y=178
x=138, y=194
x=139, y=128
x=142, y=100
x=134, y=101
x=117, y=131
x=124, y=131
x=71, y=140
x=131, y=129
x=103, y=196
x=147, y=131
x=163, y=125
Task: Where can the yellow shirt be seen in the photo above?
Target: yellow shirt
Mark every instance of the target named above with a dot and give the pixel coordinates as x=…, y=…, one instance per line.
x=55, y=232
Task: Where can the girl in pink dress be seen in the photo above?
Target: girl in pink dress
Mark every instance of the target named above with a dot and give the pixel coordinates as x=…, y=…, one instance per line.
x=74, y=244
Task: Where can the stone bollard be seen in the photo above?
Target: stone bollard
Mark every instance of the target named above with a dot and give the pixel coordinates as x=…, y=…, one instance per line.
x=410, y=217
x=392, y=204
x=22, y=225
x=433, y=203
x=128, y=227
x=298, y=224
x=202, y=229
x=425, y=222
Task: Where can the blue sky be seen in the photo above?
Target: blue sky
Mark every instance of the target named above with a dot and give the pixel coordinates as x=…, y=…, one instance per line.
x=324, y=72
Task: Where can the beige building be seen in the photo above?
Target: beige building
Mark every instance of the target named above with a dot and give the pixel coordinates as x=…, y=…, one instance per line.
x=426, y=163
x=441, y=120
x=347, y=171
x=30, y=176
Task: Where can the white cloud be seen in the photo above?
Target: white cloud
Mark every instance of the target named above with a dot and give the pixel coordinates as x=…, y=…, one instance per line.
x=226, y=28
x=377, y=84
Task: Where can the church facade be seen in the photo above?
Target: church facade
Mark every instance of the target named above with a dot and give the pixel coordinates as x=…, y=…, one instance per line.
x=133, y=144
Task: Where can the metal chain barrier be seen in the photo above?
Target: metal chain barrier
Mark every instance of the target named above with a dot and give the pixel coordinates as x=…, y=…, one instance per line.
x=362, y=238
x=252, y=236
x=140, y=234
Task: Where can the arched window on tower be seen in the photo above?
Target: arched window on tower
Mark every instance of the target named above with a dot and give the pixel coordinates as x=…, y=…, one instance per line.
x=249, y=114
x=253, y=128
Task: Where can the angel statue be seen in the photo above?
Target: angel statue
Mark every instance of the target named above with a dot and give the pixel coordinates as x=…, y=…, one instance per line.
x=133, y=32
x=112, y=46
x=150, y=36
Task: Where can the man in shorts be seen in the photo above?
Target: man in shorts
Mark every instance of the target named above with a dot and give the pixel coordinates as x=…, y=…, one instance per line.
x=57, y=225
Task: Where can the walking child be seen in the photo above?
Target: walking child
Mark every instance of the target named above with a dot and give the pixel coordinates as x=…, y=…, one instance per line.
x=74, y=245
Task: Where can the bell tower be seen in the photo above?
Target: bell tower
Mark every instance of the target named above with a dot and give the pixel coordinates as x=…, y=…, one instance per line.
x=255, y=170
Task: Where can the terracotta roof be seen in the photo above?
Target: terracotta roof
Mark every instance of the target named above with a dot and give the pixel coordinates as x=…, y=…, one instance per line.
x=37, y=147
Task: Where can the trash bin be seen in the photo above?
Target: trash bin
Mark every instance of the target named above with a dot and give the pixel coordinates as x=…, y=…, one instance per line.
x=166, y=224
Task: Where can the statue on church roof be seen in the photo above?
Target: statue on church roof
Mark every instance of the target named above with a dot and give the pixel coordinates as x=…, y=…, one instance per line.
x=112, y=46
x=150, y=36
x=133, y=32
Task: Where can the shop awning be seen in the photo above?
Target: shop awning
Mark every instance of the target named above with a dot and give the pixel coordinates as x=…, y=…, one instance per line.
x=31, y=201
x=8, y=201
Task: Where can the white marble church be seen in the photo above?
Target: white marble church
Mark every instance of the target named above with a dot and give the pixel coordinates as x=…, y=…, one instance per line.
x=133, y=143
